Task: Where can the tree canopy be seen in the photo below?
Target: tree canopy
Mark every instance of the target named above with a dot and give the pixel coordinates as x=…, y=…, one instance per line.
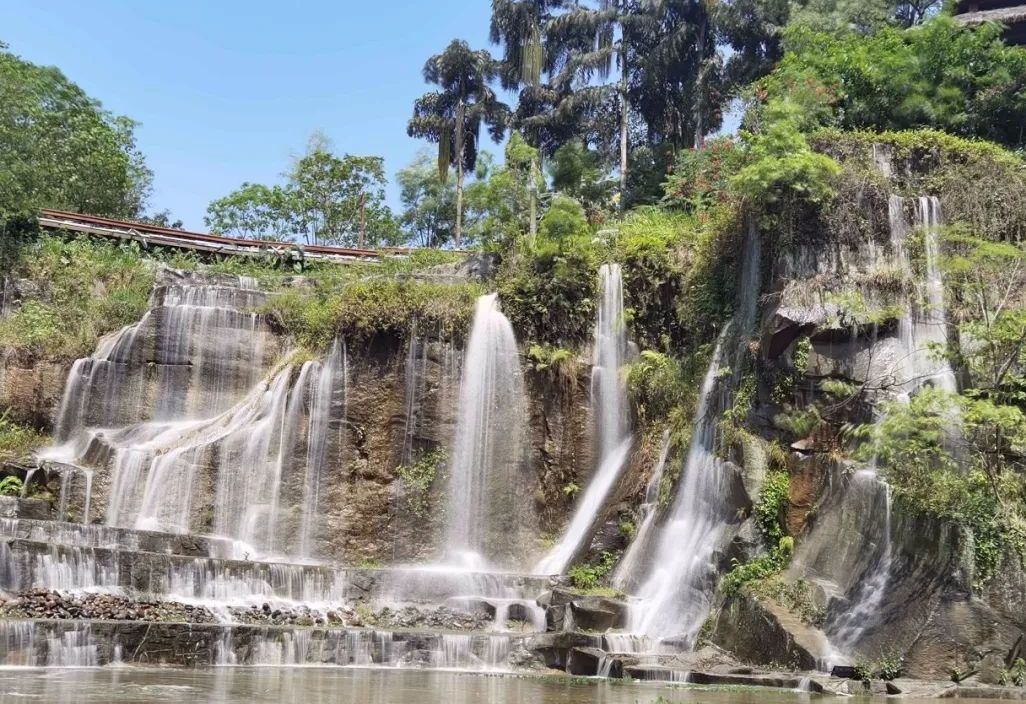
x=60, y=149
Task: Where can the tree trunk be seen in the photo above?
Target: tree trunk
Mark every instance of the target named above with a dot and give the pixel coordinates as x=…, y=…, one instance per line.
x=458, y=235
x=624, y=117
x=533, y=191
x=699, y=116
x=459, y=202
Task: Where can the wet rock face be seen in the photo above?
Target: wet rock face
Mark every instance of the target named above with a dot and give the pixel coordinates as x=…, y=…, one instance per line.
x=203, y=349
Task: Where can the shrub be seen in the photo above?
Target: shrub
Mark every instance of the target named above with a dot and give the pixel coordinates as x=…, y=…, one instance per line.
x=589, y=576
x=417, y=479
x=10, y=486
x=17, y=440
x=88, y=288
x=548, y=292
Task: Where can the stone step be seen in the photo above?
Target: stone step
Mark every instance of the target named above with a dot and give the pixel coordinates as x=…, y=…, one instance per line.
x=50, y=643
x=13, y=507
x=99, y=536
x=658, y=673
x=27, y=564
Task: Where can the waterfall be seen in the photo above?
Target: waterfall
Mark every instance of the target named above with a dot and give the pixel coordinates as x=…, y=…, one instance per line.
x=675, y=595
x=924, y=328
x=197, y=437
x=486, y=510
x=674, y=598
x=609, y=408
x=863, y=612
x=631, y=561
x=322, y=388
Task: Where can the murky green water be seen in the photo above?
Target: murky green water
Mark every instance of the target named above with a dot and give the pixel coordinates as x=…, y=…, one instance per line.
x=342, y=686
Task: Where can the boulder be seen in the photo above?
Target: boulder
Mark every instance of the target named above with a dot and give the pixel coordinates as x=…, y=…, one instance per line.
x=554, y=648
x=591, y=662
x=598, y=613
x=760, y=631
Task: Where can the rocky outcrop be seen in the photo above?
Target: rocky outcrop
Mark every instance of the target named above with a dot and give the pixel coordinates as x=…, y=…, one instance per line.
x=759, y=631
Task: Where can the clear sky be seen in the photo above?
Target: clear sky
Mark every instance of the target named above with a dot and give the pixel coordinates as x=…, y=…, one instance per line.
x=228, y=91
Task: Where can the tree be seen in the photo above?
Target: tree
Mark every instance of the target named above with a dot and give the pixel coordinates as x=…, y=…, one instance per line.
x=430, y=204
x=940, y=75
x=340, y=200
x=254, y=211
x=520, y=28
x=60, y=149
x=500, y=197
x=328, y=200
x=453, y=116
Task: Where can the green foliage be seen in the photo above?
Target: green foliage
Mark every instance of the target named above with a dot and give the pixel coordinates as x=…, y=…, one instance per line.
x=363, y=309
x=771, y=507
x=1014, y=676
x=799, y=423
x=701, y=177
x=17, y=440
x=499, y=198
x=89, y=288
x=328, y=200
x=417, y=479
x=548, y=291
x=564, y=220
x=887, y=666
x=10, y=486
x=577, y=171
x=654, y=247
x=558, y=364
x=429, y=214
x=978, y=484
x=757, y=570
x=590, y=576
x=628, y=529
x=942, y=75
x=782, y=167
x=657, y=385
x=61, y=149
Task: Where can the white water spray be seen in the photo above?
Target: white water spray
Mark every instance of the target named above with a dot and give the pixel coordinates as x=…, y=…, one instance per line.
x=609, y=402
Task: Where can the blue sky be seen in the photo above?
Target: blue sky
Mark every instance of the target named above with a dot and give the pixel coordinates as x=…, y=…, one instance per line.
x=229, y=91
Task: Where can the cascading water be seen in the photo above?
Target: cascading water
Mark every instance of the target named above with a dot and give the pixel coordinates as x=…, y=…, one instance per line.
x=631, y=560
x=675, y=595
x=609, y=402
x=847, y=628
x=924, y=328
x=486, y=510
x=202, y=423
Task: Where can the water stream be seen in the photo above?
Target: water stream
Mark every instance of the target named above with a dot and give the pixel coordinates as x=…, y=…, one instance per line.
x=609, y=408
x=486, y=510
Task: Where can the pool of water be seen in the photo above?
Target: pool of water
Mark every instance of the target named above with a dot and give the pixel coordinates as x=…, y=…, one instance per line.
x=309, y=685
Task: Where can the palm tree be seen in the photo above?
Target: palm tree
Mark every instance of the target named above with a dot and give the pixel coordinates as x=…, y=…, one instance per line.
x=453, y=115
x=520, y=26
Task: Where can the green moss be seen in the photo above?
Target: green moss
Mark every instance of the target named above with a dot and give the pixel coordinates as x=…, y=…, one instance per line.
x=589, y=576
x=417, y=479
x=364, y=309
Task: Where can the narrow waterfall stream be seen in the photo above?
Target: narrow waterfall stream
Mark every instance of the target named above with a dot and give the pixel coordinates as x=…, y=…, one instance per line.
x=485, y=512
x=674, y=596
x=609, y=408
x=632, y=559
x=871, y=496
x=923, y=328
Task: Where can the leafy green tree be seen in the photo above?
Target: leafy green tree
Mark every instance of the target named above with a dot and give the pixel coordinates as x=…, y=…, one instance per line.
x=341, y=200
x=430, y=203
x=577, y=171
x=500, y=197
x=327, y=199
x=60, y=149
x=453, y=116
x=254, y=211
x=941, y=75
